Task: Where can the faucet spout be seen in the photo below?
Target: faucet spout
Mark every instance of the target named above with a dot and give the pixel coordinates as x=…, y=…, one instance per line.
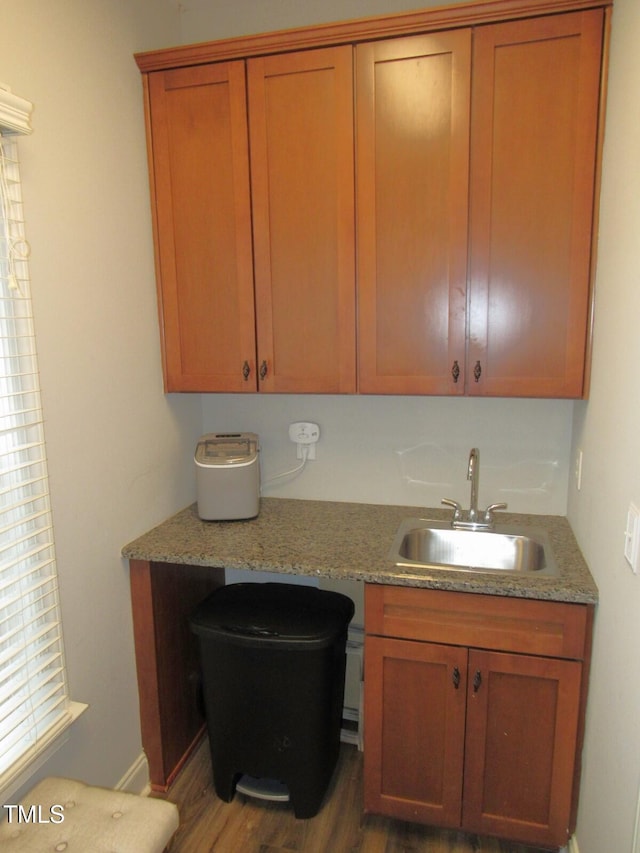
x=473, y=474
x=473, y=520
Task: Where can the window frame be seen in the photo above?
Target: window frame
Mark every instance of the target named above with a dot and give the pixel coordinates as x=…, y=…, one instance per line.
x=35, y=707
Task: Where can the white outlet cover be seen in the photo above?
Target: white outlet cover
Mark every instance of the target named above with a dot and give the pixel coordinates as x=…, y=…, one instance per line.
x=632, y=538
x=578, y=470
x=304, y=432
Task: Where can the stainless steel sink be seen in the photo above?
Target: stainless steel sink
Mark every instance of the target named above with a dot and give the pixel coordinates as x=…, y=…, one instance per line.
x=420, y=543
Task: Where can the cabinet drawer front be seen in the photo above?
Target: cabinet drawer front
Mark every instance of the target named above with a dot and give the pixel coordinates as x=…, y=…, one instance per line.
x=484, y=621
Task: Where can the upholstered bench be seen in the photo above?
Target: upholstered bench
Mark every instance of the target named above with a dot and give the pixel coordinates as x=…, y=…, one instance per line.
x=64, y=815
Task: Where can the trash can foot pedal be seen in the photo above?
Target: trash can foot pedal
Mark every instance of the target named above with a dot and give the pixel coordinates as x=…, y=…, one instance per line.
x=263, y=789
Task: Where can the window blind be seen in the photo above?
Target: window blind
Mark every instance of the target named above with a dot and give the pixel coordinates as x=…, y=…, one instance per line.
x=34, y=705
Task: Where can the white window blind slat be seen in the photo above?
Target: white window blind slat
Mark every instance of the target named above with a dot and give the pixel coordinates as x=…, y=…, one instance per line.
x=12, y=646
x=15, y=654
x=27, y=451
x=16, y=659
x=28, y=587
x=13, y=665
x=27, y=718
x=18, y=465
x=29, y=504
x=33, y=688
x=29, y=517
x=28, y=553
x=14, y=710
x=39, y=524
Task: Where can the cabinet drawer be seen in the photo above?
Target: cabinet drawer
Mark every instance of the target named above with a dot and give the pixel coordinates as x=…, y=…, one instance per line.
x=483, y=621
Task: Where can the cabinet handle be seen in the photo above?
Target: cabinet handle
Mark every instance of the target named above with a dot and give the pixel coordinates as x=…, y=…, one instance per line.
x=263, y=370
x=246, y=370
x=477, y=371
x=456, y=677
x=455, y=371
x=477, y=681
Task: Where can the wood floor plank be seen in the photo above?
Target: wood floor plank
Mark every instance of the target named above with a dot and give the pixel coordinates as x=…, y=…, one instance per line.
x=247, y=825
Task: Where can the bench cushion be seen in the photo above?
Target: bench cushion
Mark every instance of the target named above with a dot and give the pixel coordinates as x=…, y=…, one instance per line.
x=96, y=819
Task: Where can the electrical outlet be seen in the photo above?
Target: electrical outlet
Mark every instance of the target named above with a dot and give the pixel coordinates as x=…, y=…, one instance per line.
x=305, y=434
x=632, y=538
x=578, y=471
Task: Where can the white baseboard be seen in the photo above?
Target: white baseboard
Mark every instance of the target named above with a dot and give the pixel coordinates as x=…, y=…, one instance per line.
x=136, y=779
x=572, y=846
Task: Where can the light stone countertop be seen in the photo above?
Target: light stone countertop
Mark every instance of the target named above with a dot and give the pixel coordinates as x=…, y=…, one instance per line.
x=350, y=541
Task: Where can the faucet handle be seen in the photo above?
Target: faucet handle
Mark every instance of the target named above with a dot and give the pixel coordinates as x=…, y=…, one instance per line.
x=457, y=508
x=488, y=513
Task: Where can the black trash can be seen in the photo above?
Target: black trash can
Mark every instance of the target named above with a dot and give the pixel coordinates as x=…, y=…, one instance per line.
x=273, y=664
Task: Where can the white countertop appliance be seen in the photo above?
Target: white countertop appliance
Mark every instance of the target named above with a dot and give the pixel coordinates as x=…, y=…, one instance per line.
x=228, y=476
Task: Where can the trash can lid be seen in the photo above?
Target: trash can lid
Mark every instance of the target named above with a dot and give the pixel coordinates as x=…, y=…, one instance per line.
x=274, y=613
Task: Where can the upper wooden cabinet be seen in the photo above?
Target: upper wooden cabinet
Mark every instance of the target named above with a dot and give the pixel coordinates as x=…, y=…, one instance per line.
x=412, y=166
x=535, y=102
x=299, y=333
x=301, y=129
x=467, y=204
x=199, y=166
x=490, y=159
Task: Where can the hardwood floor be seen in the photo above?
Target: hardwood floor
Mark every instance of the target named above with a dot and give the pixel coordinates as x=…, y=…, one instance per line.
x=247, y=825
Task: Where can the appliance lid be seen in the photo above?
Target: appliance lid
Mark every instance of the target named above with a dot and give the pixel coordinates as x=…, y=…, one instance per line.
x=273, y=614
x=223, y=449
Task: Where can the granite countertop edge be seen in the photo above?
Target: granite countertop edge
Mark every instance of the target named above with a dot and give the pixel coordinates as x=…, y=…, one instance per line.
x=350, y=541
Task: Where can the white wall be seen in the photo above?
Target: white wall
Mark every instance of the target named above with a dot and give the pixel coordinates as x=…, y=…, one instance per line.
x=409, y=450
x=116, y=444
x=202, y=20
x=607, y=429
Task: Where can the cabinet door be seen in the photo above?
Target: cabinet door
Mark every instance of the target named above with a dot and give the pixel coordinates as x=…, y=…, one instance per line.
x=301, y=123
x=412, y=118
x=522, y=723
x=535, y=99
x=414, y=734
x=202, y=219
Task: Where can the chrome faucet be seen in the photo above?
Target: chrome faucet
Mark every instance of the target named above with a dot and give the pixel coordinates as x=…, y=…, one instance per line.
x=473, y=474
x=473, y=521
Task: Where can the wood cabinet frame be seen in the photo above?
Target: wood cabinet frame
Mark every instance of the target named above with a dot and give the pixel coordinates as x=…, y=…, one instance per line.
x=345, y=32
x=172, y=721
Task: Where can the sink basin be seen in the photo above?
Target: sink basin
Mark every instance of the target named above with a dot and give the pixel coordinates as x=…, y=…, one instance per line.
x=420, y=543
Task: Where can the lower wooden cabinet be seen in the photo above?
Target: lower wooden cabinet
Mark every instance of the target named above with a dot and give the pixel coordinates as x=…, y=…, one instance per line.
x=474, y=710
